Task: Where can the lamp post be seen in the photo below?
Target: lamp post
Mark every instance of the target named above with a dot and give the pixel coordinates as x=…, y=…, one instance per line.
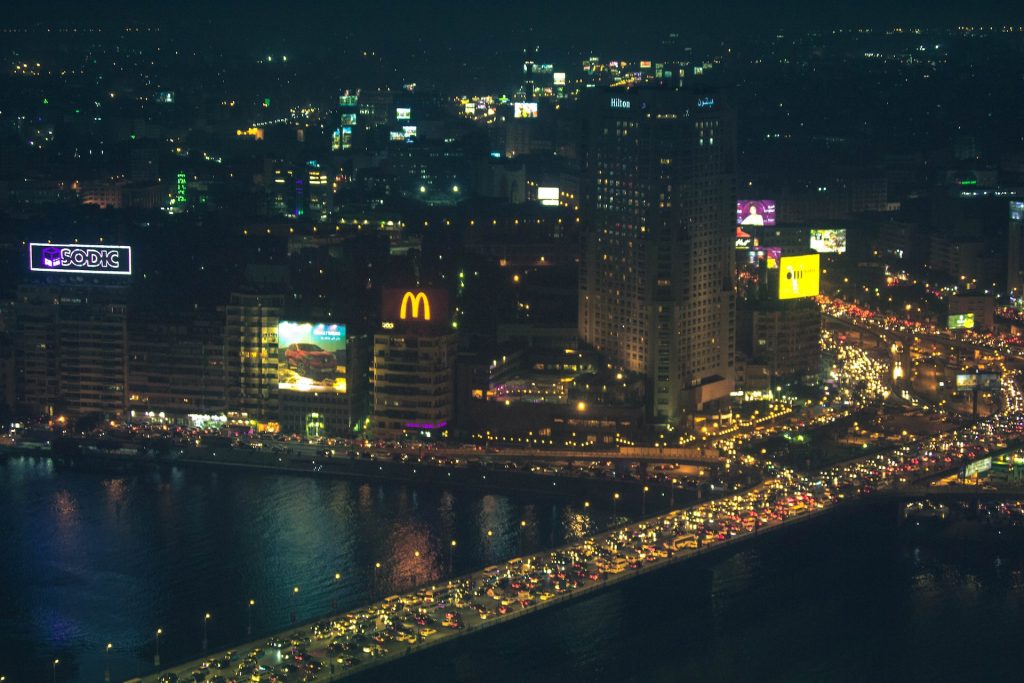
x=156, y=657
x=643, y=504
x=451, y=557
x=672, y=495
x=615, y=504
x=55, y=663
x=334, y=600
x=376, y=577
x=106, y=674
x=206, y=620
x=295, y=600
x=248, y=621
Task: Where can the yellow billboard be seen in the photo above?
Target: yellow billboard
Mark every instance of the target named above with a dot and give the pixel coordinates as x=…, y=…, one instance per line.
x=798, y=276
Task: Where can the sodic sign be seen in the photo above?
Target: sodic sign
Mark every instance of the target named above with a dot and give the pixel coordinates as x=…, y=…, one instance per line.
x=799, y=276
x=91, y=259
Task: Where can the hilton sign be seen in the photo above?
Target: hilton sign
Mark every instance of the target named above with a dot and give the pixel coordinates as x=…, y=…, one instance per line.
x=90, y=259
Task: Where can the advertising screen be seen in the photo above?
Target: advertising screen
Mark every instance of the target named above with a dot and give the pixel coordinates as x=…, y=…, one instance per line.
x=768, y=255
x=755, y=212
x=978, y=466
x=744, y=240
x=960, y=321
x=89, y=259
x=413, y=307
x=559, y=78
x=828, y=240
x=524, y=110
x=409, y=132
x=548, y=196
x=311, y=357
x=348, y=118
x=798, y=276
x=403, y=114
x=1017, y=211
x=982, y=381
x=396, y=136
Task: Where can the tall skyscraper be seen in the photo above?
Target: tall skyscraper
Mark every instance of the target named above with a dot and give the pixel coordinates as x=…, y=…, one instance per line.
x=657, y=267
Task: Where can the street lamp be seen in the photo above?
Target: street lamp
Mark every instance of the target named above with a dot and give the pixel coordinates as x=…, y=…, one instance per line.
x=106, y=674
x=55, y=663
x=451, y=557
x=643, y=504
x=376, y=577
x=248, y=629
x=334, y=600
x=156, y=657
x=295, y=601
x=206, y=620
x=615, y=504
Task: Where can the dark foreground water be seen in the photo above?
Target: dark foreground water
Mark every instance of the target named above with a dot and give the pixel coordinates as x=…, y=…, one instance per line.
x=90, y=559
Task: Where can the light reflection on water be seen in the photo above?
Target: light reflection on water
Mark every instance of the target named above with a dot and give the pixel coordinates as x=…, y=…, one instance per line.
x=93, y=558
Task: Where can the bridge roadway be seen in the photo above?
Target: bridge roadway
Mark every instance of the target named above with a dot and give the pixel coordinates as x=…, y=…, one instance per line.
x=693, y=456
x=272, y=657
x=572, y=571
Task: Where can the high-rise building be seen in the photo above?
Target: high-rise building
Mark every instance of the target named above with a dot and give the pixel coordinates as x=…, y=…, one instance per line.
x=251, y=354
x=413, y=365
x=657, y=273
x=71, y=349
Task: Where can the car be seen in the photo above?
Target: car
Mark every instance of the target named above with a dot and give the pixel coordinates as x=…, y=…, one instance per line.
x=309, y=360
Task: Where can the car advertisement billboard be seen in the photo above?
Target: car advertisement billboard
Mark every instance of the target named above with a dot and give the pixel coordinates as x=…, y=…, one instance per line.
x=960, y=321
x=524, y=110
x=799, y=276
x=86, y=259
x=403, y=113
x=977, y=381
x=828, y=240
x=755, y=212
x=311, y=357
x=413, y=307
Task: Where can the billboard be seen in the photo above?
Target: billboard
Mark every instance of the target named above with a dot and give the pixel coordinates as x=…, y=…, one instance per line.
x=548, y=196
x=1017, y=211
x=409, y=132
x=768, y=255
x=403, y=114
x=88, y=259
x=744, y=240
x=755, y=212
x=414, y=306
x=311, y=357
x=798, y=276
x=559, y=78
x=828, y=240
x=960, y=321
x=978, y=466
x=524, y=110
x=977, y=381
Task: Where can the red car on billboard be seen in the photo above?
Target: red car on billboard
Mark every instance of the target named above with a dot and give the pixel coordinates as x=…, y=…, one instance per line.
x=309, y=360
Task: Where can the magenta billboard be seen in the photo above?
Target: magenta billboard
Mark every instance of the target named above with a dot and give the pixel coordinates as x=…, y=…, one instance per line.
x=755, y=212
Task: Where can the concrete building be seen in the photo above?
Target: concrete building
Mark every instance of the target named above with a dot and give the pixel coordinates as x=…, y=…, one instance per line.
x=656, y=292
x=251, y=354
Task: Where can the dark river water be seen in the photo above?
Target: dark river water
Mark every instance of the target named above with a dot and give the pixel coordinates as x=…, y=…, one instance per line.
x=91, y=558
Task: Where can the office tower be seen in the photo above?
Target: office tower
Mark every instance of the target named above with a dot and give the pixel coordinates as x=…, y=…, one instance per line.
x=656, y=270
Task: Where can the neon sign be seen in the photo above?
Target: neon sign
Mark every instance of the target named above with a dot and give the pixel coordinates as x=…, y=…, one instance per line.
x=415, y=301
x=619, y=103
x=91, y=259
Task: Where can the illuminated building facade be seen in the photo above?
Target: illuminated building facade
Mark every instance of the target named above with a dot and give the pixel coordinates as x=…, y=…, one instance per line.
x=657, y=274
x=413, y=365
x=251, y=353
